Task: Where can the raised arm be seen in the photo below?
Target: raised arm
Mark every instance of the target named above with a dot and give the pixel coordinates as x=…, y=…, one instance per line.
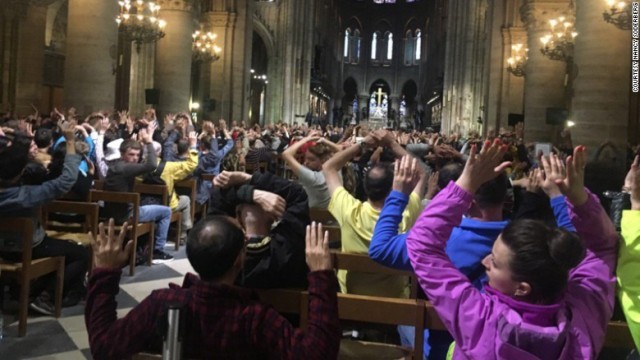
x=451, y=293
x=629, y=254
x=289, y=155
x=387, y=246
x=332, y=167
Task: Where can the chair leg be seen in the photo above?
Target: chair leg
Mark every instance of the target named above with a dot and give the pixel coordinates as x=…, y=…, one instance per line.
x=24, y=304
x=59, y=286
x=178, y=232
x=152, y=245
x=132, y=257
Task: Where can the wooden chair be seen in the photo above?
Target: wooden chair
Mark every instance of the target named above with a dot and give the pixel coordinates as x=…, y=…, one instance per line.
x=189, y=187
x=135, y=229
x=323, y=216
x=72, y=231
x=619, y=336
x=335, y=236
x=29, y=269
x=364, y=264
x=162, y=192
x=379, y=310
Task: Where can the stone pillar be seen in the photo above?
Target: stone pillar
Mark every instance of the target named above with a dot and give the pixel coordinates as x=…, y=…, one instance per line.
x=92, y=35
x=31, y=43
x=173, y=56
x=142, y=71
x=545, y=80
x=601, y=89
x=230, y=75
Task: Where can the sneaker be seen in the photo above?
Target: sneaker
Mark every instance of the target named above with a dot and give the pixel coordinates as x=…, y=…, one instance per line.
x=42, y=304
x=161, y=257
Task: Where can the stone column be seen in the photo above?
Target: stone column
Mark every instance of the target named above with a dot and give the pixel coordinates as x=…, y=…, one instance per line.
x=142, y=71
x=92, y=35
x=601, y=88
x=544, y=84
x=173, y=56
x=30, y=68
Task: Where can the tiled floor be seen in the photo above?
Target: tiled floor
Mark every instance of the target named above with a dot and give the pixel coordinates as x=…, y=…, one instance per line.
x=66, y=338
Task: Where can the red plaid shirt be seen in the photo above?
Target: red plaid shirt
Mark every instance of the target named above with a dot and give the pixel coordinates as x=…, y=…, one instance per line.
x=222, y=322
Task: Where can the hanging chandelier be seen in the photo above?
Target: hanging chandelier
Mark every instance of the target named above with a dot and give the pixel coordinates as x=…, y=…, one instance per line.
x=518, y=60
x=139, y=22
x=618, y=13
x=204, y=47
x=558, y=43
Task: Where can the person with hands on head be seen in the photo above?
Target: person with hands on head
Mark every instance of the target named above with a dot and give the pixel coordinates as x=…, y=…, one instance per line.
x=358, y=219
x=547, y=297
x=121, y=178
x=275, y=254
x=223, y=321
x=629, y=253
x=310, y=173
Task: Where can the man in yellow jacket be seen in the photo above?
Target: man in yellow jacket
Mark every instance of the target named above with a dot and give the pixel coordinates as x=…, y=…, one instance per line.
x=175, y=171
x=629, y=256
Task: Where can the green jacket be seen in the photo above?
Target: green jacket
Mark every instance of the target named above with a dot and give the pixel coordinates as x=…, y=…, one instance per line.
x=629, y=271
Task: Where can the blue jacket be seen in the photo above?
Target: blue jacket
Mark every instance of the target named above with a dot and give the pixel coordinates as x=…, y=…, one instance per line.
x=469, y=243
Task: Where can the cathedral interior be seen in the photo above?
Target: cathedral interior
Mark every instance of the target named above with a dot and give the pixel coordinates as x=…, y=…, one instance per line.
x=451, y=65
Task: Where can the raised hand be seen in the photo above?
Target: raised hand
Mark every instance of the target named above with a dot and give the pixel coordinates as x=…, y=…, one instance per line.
x=271, y=203
x=68, y=130
x=193, y=138
x=632, y=183
x=107, y=247
x=432, y=187
x=554, y=171
x=535, y=180
x=317, y=251
x=572, y=186
x=406, y=174
x=484, y=166
x=152, y=127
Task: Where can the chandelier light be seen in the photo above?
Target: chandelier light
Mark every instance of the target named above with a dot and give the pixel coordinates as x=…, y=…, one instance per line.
x=139, y=22
x=204, y=46
x=558, y=43
x=518, y=60
x=618, y=13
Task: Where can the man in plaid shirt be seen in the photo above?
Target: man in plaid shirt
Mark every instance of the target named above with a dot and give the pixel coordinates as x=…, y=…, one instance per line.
x=222, y=321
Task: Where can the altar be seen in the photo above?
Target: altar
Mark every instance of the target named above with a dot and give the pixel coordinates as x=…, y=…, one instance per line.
x=378, y=109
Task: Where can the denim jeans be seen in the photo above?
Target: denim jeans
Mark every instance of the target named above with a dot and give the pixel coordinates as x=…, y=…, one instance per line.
x=161, y=216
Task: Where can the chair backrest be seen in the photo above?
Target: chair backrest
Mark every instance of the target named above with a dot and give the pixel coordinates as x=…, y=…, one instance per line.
x=323, y=216
x=119, y=198
x=98, y=184
x=364, y=264
x=158, y=190
x=261, y=166
x=619, y=336
x=22, y=227
x=89, y=210
x=188, y=187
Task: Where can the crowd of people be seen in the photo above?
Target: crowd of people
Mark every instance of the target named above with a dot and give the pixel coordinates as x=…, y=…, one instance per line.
x=516, y=250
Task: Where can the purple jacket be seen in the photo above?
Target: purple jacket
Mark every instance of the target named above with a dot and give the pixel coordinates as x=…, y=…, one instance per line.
x=495, y=326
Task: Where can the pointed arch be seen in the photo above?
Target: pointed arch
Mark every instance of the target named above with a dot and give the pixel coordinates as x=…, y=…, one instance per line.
x=265, y=34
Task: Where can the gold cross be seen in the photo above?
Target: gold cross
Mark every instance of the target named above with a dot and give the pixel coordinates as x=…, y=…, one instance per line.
x=379, y=96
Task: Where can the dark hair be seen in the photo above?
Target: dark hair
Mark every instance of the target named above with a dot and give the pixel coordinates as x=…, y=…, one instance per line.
x=43, y=137
x=130, y=144
x=378, y=181
x=493, y=192
x=542, y=256
x=205, y=142
x=448, y=173
x=213, y=246
x=13, y=157
x=183, y=146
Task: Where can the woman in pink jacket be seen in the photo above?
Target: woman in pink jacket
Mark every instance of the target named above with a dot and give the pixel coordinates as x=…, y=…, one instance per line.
x=550, y=292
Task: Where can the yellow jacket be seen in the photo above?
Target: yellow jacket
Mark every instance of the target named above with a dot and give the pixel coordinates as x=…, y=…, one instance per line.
x=176, y=171
x=629, y=271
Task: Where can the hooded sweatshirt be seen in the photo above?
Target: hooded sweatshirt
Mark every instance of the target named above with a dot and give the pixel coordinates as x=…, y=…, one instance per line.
x=492, y=325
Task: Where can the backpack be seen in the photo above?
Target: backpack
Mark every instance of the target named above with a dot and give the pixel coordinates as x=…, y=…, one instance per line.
x=153, y=178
